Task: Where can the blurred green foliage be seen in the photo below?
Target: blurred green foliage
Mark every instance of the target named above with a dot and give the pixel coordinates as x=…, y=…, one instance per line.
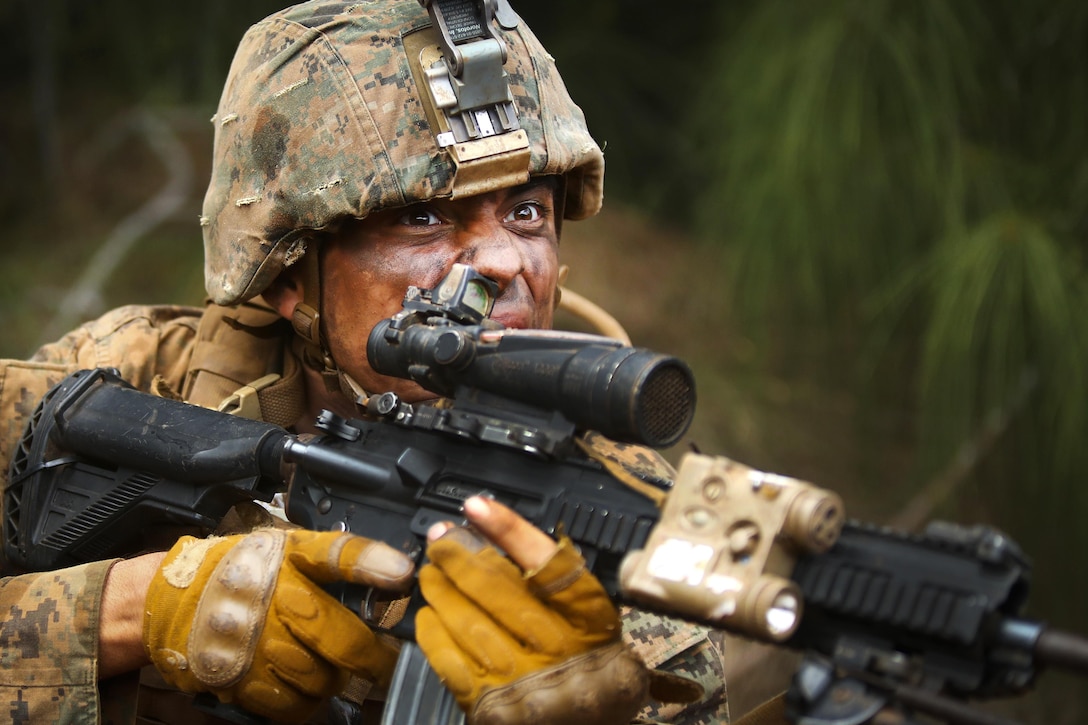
x=910, y=179
x=915, y=172
x=72, y=65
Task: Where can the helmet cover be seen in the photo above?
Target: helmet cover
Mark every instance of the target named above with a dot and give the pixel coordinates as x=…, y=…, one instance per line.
x=321, y=119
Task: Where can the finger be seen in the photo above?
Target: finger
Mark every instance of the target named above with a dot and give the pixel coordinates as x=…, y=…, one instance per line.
x=572, y=591
x=332, y=631
x=483, y=642
x=329, y=556
x=436, y=531
x=300, y=669
x=273, y=700
x=529, y=547
x=446, y=658
x=488, y=582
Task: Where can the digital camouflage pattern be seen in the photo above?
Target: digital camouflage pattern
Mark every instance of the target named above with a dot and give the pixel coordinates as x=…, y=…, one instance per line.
x=683, y=649
x=48, y=621
x=320, y=119
x=48, y=645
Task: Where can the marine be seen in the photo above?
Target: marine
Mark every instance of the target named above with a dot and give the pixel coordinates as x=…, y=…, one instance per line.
x=351, y=159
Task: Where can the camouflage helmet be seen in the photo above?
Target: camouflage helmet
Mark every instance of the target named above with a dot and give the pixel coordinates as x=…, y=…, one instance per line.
x=327, y=113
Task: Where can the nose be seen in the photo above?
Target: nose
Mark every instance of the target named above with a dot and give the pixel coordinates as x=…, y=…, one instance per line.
x=495, y=253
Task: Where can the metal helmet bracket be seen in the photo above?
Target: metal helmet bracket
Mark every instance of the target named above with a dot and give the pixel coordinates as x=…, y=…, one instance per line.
x=468, y=100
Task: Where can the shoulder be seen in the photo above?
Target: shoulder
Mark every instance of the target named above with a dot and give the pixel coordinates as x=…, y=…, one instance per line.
x=141, y=341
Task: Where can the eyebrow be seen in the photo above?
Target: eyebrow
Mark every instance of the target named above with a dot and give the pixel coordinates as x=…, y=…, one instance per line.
x=549, y=182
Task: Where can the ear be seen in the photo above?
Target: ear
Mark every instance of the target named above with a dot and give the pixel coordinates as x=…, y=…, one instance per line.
x=286, y=291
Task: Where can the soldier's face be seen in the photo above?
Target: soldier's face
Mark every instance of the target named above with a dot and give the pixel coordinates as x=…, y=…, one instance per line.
x=508, y=235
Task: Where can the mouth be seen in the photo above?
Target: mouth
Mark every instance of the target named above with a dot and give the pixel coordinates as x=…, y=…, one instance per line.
x=513, y=312
x=517, y=309
x=512, y=321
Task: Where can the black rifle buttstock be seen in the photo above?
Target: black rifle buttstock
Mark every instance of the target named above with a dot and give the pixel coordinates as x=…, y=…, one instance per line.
x=101, y=465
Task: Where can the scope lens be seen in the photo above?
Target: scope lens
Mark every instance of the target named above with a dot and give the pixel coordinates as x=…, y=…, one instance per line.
x=476, y=298
x=666, y=403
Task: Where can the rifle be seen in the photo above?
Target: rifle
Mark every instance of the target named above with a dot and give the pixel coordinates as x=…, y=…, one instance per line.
x=886, y=620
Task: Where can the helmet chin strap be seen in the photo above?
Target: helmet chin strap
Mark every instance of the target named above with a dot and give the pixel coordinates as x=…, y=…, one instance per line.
x=308, y=343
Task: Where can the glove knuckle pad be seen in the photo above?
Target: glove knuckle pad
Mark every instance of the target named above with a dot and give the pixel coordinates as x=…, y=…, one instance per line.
x=232, y=609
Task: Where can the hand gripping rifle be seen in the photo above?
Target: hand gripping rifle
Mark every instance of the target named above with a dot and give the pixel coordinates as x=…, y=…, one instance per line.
x=888, y=622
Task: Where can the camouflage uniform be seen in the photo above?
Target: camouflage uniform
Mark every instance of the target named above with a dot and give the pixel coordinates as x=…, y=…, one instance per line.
x=49, y=622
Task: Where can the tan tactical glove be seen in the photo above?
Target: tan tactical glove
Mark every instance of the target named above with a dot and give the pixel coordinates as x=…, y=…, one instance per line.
x=245, y=617
x=540, y=647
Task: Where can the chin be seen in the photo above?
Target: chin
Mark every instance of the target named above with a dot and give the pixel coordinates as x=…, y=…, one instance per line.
x=516, y=321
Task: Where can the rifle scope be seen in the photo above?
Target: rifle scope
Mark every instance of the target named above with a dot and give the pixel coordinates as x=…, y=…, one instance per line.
x=629, y=394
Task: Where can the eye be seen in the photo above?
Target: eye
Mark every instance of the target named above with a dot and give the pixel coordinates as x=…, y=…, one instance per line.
x=525, y=212
x=419, y=218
